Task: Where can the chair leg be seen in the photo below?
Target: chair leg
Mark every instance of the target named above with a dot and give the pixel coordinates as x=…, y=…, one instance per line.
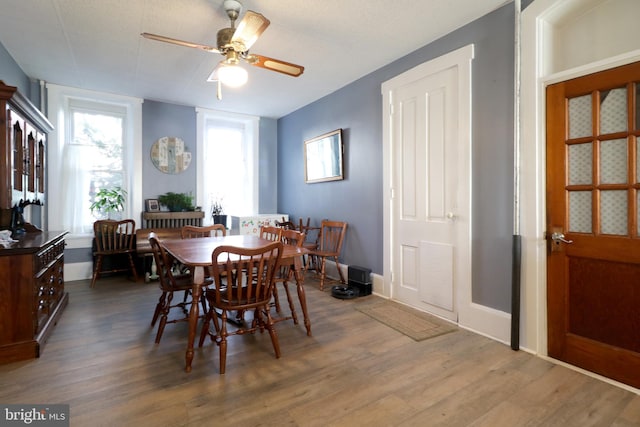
x=163, y=318
x=276, y=299
x=323, y=273
x=185, y=297
x=222, y=342
x=272, y=332
x=205, y=328
x=163, y=323
x=309, y=263
x=335, y=259
x=96, y=271
x=302, y=298
x=215, y=320
x=292, y=307
x=133, y=268
x=257, y=322
x=159, y=308
x=203, y=302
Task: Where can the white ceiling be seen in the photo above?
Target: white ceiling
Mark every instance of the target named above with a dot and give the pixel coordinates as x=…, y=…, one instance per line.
x=96, y=44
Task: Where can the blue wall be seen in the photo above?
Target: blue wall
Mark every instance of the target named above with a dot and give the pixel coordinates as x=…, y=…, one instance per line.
x=11, y=74
x=357, y=199
x=161, y=119
x=357, y=108
x=268, y=161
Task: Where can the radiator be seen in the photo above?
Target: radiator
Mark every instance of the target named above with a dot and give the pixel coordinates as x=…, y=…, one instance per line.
x=171, y=219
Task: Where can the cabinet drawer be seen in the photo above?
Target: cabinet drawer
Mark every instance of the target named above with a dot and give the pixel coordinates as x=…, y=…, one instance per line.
x=49, y=289
x=46, y=257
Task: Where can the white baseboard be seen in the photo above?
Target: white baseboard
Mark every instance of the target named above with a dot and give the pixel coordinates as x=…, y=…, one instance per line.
x=78, y=271
x=486, y=321
x=377, y=283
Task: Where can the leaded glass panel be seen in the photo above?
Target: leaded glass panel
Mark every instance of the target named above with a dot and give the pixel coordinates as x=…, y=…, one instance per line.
x=580, y=216
x=613, y=161
x=613, y=111
x=580, y=164
x=580, y=117
x=613, y=212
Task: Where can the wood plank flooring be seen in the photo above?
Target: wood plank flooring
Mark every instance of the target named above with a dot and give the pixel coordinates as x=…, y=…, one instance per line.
x=354, y=371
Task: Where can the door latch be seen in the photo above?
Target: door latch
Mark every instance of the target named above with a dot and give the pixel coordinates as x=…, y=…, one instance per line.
x=556, y=238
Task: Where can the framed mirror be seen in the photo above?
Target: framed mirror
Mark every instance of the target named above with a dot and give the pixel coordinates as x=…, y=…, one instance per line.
x=323, y=158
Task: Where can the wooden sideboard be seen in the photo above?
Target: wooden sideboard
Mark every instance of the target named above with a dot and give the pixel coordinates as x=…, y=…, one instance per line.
x=32, y=295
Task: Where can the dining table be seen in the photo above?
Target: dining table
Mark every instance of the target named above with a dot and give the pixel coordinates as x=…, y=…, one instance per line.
x=196, y=254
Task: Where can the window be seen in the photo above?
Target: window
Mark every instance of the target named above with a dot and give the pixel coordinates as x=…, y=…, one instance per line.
x=228, y=166
x=91, y=148
x=93, y=159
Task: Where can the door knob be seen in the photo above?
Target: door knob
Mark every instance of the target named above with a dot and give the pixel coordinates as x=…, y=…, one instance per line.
x=450, y=215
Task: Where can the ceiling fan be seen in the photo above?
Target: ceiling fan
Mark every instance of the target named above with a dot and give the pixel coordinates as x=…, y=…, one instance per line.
x=234, y=44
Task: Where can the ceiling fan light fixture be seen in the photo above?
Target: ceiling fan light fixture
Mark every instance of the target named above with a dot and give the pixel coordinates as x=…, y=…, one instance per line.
x=232, y=75
x=234, y=44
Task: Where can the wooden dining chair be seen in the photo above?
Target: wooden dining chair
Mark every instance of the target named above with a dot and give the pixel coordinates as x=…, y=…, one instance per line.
x=273, y=233
x=286, y=274
x=244, y=281
x=170, y=282
x=329, y=247
x=302, y=225
x=194, y=231
x=312, y=238
x=114, y=239
x=270, y=232
x=289, y=225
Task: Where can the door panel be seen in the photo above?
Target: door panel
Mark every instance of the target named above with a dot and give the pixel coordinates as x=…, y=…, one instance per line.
x=435, y=267
x=593, y=274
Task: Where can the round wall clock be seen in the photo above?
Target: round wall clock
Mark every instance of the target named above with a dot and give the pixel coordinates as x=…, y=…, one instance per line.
x=169, y=156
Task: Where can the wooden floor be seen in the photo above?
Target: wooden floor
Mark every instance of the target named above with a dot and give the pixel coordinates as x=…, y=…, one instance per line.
x=102, y=361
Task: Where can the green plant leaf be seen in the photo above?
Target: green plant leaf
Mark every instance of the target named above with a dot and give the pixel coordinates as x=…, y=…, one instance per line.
x=177, y=202
x=109, y=200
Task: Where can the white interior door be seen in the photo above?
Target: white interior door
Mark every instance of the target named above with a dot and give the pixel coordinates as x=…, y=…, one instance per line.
x=429, y=205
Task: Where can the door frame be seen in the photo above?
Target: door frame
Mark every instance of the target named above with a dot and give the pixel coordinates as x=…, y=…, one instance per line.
x=537, y=58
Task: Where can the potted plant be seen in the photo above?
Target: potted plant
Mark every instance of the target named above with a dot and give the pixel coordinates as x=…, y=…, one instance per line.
x=177, y=202
x=108, y=204
x=108, y=201
x=216, y=212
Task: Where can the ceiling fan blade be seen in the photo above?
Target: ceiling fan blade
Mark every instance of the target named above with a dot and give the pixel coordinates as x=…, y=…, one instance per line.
x=180, y=42
x=249, y=29
x=275, y=65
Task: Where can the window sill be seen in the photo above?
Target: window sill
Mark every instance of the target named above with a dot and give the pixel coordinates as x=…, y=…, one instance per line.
x=78, y=241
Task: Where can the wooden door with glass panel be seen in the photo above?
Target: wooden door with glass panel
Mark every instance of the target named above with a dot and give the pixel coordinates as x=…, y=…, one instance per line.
x=593, y=222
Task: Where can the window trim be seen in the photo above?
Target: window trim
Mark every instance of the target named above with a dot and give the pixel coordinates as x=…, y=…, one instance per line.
x=60, y=99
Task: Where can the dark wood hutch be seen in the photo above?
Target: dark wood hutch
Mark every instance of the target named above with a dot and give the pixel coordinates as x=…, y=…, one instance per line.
x=32, y=295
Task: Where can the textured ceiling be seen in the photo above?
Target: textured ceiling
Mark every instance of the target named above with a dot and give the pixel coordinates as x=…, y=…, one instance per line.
x=96, y=44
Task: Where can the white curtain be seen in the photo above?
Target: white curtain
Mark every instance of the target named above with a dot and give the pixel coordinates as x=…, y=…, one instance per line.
x=229, y=171
x=75, y=179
